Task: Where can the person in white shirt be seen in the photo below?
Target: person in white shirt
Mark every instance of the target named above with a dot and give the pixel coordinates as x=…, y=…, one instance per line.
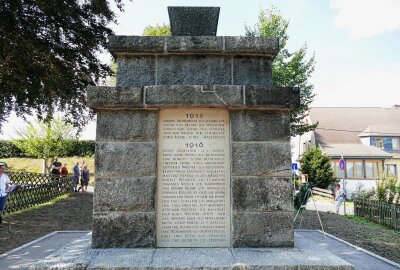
x=340, y=197
x=4, y=185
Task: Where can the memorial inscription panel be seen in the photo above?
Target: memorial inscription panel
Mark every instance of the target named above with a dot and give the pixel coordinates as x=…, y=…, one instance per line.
x=193, y=188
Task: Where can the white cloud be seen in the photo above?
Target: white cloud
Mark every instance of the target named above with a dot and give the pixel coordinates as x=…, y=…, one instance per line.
x=373, y=88
x=367, y=18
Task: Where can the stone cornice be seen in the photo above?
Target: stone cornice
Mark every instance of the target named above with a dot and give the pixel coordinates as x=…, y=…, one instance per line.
x=229, y=45
x=216, y=96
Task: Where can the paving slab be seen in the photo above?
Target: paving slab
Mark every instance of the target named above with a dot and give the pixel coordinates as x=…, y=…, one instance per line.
x=23, y=257
x=80, y=255
x=360, y=258
x=71, y=250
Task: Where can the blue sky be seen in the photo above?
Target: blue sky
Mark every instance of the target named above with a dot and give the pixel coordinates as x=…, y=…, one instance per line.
x=356, y=43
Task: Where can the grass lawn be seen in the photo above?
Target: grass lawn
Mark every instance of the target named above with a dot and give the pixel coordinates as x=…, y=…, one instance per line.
x=370, y=223
x=330, y=200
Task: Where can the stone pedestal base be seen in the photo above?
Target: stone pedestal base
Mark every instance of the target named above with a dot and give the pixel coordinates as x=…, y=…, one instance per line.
x=80, y=255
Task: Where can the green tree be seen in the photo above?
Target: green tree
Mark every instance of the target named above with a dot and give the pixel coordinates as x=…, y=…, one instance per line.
x=318, y=167
x=48, y=56
x=288, y=68
x=112, y=80
x=158, y=30
x=45, y=140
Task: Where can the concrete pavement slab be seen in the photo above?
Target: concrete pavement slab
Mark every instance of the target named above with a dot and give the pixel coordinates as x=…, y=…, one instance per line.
x=24, y=256
x=360, y=258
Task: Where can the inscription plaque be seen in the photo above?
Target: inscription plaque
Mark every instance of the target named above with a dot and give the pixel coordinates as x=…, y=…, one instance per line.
x=193, y=188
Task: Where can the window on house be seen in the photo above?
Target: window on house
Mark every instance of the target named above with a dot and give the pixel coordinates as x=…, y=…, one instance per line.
x=388, y=144
x=354, y=169
x=371, y=169
x=359, y=169
x=379, y=142
x=350, y=169
x=391, y=170
x=396, y=143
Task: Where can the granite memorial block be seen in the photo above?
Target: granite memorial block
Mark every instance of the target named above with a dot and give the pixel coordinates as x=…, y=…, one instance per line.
x=197, y=139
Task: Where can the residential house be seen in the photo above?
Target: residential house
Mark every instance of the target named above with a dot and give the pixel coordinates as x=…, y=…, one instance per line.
x=367, y=138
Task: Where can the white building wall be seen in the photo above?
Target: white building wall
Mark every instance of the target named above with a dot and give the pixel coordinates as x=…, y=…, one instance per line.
x=351, y=185
x=365, y=140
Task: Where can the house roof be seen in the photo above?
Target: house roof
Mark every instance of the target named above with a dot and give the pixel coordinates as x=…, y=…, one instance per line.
x=380, y=130
x=353, y=151
x=345, y=125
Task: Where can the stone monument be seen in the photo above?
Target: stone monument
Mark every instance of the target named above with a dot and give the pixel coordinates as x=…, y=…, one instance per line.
x=192, y=146
x=192, y=151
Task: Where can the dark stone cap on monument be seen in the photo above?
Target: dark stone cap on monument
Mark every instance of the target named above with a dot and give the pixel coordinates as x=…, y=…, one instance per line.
x=193, y=21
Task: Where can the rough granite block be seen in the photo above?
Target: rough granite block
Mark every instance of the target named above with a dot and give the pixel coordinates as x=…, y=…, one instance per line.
x=253, y=125
x=126, y=125
x=193, y=70
x=136, y=71
x=263, y=229
x=252, y=70
x=252, y=45
x=261, y=159
x=112, y=97
x=194, y=44
x=257, y=95
x=130, y=159
x=125, y=194
x=124, y=230
x=136, y=44
x=193, y=21
x=193, y=95
x=262, y=194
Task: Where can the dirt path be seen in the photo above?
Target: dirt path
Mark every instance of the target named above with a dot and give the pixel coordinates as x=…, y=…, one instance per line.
x=74, y=213
x=377, y=239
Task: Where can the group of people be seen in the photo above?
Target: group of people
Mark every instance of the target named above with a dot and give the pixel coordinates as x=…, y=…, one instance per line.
x=80, y=173
x=58, y=168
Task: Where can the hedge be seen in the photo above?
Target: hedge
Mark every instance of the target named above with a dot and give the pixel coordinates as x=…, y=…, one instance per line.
x=9, y=149
x=80, y=148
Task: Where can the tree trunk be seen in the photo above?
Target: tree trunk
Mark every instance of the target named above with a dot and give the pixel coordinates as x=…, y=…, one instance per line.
x=45, y=168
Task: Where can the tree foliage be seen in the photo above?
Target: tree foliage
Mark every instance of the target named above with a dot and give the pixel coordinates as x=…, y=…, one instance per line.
x=158, y=30
x=318, y=167
x=388, y=189
x=288, y=68
x=45, y=140
x=48, y=55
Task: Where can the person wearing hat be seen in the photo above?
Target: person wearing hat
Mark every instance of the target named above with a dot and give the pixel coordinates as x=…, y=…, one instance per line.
x=4, y=185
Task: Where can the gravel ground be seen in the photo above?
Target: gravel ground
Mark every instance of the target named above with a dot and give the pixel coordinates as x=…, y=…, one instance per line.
x=378, y=239
x=75, y=213
x=71, y=214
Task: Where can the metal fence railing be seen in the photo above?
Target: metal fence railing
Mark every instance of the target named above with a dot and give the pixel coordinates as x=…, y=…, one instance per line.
x=35, y=189
x=381, y=212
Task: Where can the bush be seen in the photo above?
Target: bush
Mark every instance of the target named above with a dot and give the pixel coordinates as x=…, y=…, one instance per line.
x=388, y=190
x=363, y=194
x=80, y=148
x=9, y=149
x=318, y=168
